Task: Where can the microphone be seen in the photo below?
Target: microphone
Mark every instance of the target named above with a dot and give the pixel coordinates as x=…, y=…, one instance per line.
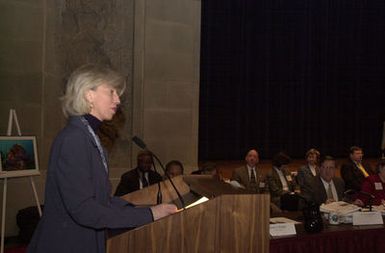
x=371, y=198
x=140, y=143
x=348, y=195
x=159, y=196
x=349, y=192
x=366, y=194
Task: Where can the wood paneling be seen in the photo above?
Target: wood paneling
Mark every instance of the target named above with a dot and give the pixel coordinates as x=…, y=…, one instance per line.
x=228, y=223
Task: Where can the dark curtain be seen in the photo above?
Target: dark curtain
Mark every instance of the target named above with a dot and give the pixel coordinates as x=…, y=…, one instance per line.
x=291, y=75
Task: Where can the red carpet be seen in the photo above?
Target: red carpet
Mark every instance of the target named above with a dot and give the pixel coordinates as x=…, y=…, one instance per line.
x=17, y=249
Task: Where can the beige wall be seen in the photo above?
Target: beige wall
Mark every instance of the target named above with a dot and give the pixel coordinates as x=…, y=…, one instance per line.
x=156, y=46
x=21, y=78
x=166, y=78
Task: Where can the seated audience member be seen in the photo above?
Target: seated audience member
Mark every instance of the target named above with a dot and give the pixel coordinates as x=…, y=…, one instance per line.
x=374, y=185
x=325, y=187
x=309, y=171
x=249, y=175
x=354, y=171
x=279, y=179
x=174, y=168
x=140, y=177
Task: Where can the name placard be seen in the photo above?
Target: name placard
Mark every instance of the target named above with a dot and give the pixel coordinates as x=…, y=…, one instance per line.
x=367, y=218
x=282, y=229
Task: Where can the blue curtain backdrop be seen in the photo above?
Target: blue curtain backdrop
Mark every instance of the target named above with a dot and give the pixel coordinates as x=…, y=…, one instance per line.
x=291, y=75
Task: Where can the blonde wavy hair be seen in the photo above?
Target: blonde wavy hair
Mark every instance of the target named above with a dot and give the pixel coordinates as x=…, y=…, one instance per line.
x=85, y=78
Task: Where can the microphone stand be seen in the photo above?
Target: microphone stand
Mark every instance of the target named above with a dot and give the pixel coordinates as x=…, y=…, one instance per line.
x=142, y=145
x=159, y=196
x=348, y=195
x=172, y=183
x=370, y=197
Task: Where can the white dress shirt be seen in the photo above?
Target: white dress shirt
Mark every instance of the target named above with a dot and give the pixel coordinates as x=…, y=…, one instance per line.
x=312, y=169
x=250, y=169
x=334, y=191
x=285, y=186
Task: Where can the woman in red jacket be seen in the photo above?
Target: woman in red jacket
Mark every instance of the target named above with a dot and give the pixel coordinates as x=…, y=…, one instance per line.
x=374, y=185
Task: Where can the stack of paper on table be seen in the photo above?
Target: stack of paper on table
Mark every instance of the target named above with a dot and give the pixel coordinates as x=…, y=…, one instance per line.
x=340, y=207
x=380, y=208
x=276, y=220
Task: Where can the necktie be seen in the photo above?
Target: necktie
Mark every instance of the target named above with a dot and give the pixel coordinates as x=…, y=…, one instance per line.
x=144, y=180
x=253, y=180
x=362, y=169
x=329, y=192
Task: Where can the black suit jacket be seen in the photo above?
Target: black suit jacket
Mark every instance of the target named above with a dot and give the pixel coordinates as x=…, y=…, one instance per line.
x=129, y=182
x=78, y=204
x=275, y=185
x=314, y=190
x=305, y=175
x=353, y=176
x=242, y=176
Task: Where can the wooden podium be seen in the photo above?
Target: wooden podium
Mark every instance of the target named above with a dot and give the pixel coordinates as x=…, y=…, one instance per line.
x=226, y=223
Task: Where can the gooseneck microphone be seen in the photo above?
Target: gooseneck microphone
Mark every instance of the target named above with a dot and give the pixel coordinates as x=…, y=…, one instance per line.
x=159, y=196
x=366, y=194
x=370, y=198
x=140, y=143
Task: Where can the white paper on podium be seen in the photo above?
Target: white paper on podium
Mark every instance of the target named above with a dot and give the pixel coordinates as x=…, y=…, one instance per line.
x=199, y=201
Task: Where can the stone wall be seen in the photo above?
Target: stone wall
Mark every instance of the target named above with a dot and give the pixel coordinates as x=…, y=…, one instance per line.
x=166, y=78
x=21, y=88
x=96, y=31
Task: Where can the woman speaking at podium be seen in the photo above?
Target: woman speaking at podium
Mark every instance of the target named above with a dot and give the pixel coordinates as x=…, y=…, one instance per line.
x=78, y=204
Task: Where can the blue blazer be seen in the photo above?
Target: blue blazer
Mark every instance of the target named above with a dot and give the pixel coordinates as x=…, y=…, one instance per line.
x=78, y=204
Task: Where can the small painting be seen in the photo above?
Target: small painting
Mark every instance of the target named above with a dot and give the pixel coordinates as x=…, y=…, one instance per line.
x=18, y=156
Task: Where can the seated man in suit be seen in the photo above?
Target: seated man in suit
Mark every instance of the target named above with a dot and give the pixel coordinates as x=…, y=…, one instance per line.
x=324, y=188
x=140, y=177
x=248, y=175
x=279, y=179
x=354, y=171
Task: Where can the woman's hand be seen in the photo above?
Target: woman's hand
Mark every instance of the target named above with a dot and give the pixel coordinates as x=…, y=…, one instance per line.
x=162, y=210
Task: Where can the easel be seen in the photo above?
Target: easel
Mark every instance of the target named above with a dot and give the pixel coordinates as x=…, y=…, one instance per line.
x=13, y=118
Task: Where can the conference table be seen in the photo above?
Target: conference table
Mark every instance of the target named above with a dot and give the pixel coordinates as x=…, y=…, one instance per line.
x=334, y=238
x=342, y=238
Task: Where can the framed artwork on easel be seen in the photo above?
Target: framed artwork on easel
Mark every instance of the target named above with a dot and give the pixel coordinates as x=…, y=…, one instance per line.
x=18, y=156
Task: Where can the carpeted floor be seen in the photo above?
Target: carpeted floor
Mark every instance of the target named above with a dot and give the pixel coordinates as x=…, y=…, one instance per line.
x=16, y=249
x=13, y=244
